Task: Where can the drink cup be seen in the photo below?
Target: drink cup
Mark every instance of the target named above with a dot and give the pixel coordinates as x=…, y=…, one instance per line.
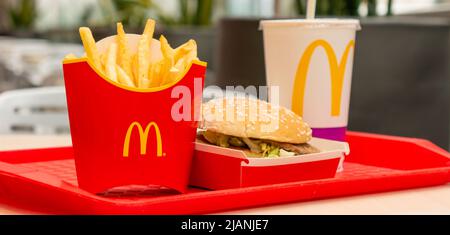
x=311, y=62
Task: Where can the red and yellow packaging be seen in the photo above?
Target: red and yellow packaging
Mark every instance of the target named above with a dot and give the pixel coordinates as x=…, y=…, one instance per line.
x=127, y=136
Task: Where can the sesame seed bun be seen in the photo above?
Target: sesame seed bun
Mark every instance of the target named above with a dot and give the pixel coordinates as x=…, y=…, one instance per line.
x=252, y=118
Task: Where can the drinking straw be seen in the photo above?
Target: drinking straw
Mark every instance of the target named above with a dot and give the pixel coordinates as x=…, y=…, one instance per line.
x=311, y=9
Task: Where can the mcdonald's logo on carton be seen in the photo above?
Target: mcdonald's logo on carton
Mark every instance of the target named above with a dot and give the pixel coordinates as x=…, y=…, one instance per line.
x=337, y=74
x=143, y=138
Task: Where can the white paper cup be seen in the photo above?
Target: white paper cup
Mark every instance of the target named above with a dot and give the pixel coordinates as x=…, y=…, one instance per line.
x=311, y=61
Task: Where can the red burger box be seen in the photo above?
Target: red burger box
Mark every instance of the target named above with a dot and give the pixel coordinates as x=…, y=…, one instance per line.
x=217, y=168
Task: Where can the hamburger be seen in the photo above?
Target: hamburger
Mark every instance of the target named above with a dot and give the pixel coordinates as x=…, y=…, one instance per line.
x=256, y=127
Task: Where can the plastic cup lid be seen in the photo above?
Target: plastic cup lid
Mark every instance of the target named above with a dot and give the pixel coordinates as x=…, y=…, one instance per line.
x=312, y=23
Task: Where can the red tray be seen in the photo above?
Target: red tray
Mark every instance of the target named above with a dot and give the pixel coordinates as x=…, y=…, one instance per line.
x=44, y=180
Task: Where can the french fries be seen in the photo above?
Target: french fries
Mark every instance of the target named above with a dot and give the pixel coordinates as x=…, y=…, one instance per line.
x=167, y=51
x=123, y=56
x=142, y=58
x=140, y=67
x=123, y=77
x=110, y=63
x=149, y=29
x=89, y=46
x=70, y=57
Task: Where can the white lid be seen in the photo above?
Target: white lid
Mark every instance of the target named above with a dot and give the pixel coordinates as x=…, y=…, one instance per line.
x=312, y=23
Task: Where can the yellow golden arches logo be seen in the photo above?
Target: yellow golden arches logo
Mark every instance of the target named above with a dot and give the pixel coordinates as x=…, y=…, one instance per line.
x=143, y=137
x=337, y=76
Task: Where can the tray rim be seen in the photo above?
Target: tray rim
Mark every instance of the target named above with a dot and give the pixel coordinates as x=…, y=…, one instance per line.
x=98, y=202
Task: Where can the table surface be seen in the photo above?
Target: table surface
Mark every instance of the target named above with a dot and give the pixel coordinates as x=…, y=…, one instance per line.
x=431, y=200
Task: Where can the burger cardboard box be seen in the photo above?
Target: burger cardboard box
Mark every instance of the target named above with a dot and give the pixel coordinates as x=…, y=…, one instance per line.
x=216, y=167
x=126, y=136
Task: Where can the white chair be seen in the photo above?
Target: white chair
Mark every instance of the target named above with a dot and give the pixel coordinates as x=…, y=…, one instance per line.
x=36, y=110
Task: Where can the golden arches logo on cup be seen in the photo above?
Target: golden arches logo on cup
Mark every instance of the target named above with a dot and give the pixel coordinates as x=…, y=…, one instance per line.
x=337, y=73
x=143, y=138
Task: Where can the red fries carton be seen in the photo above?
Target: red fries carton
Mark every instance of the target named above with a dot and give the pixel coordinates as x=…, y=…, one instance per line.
x=215, y=167
x=127, y=136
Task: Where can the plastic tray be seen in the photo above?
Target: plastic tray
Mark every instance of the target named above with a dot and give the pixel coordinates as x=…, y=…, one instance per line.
x=44, y=180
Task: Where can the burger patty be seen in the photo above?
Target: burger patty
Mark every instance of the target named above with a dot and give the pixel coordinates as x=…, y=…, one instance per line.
x=297, y=148
x=265, y=148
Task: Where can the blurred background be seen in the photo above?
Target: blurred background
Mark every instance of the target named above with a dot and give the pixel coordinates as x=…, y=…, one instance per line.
x=401, y=79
